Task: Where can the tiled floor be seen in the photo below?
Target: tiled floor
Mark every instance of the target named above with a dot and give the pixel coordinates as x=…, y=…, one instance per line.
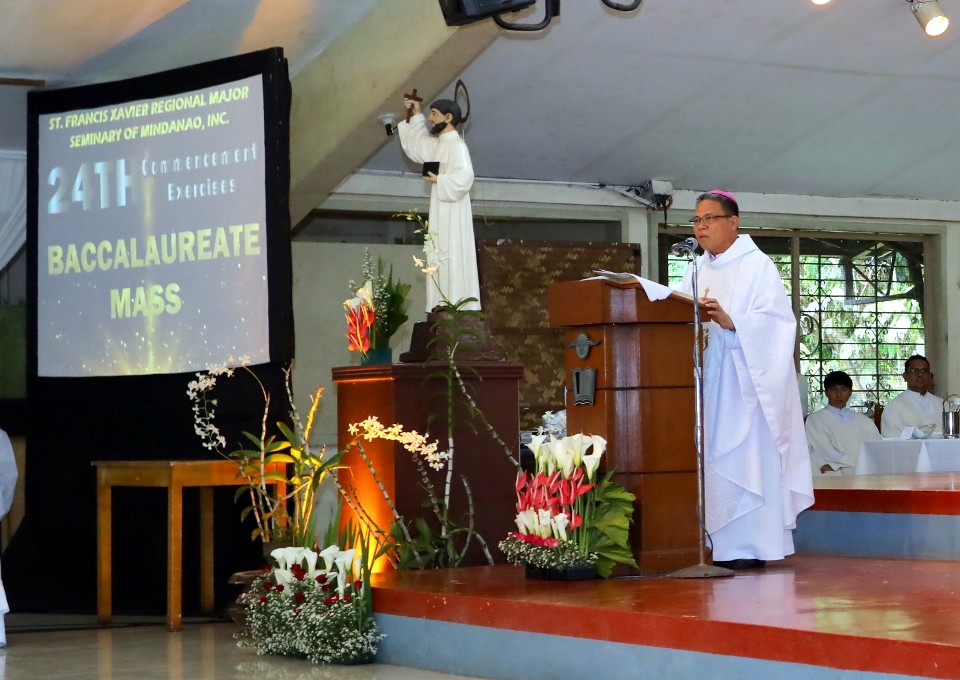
x=201, y=651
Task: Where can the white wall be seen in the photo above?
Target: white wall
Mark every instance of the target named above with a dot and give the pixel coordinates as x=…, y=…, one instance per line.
x=321, y=273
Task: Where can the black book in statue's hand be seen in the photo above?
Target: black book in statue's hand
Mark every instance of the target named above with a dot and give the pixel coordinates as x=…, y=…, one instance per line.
x=431, y=166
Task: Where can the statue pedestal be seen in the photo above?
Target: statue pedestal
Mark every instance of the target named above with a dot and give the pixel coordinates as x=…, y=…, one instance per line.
x=408, y=394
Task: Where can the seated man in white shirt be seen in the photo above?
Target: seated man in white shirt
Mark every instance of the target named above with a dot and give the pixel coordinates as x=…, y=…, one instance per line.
x=916, y=405
x=835, y=433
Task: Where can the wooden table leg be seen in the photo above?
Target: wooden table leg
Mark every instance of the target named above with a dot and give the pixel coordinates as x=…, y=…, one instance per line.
x=104, y=543
x=206, y=550
x=174, y=556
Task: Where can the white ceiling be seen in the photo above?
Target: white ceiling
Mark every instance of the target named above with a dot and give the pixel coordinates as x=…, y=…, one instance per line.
x=767, y=96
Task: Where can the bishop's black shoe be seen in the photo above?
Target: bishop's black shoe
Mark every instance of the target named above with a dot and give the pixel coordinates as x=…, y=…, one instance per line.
x=740, y=564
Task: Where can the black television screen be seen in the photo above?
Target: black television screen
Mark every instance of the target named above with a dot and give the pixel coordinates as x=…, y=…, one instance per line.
x=158, y=225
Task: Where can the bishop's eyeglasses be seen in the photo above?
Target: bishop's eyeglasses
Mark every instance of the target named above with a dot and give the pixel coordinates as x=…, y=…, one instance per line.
x=706, y=219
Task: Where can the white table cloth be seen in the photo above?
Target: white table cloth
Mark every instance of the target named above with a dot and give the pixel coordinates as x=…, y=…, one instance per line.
x=896, y=456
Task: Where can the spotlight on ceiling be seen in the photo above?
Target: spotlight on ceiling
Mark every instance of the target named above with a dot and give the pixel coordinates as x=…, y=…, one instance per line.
x=932, y=19
x=820, y=2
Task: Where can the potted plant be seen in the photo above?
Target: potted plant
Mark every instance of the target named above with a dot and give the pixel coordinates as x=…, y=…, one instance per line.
x=572, y=522
x=376, y=312
x=271, y=461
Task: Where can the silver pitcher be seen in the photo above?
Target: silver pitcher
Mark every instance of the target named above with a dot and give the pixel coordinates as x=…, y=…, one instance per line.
x=951, y=417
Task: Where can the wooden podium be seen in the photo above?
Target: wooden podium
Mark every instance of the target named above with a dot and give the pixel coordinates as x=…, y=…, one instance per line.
x=637, y=356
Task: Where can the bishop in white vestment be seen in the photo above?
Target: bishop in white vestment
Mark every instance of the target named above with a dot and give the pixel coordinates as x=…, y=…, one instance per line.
x=451, y=244
x=757, y=474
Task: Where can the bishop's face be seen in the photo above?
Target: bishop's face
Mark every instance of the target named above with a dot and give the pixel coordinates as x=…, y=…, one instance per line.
x=715, y=230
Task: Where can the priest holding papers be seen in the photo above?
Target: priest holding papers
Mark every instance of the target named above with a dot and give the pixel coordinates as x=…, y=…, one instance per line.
x=757, y=475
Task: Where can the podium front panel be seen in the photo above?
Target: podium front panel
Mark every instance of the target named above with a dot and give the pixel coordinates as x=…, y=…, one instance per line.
x=634, y=355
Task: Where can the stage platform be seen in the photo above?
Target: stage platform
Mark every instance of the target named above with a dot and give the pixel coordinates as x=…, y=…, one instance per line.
x=914, y=515
x=811, y=616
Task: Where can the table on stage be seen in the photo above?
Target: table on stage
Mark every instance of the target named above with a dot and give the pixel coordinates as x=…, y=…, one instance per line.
x=896, y=456
x=174, y=475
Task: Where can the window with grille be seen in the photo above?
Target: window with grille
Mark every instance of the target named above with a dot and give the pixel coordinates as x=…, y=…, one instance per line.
x=859, y=301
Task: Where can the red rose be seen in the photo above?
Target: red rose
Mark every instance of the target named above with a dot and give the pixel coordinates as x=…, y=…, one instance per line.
x=348, y=597
x=263, y=599
x=279, y=589
x=299, y=597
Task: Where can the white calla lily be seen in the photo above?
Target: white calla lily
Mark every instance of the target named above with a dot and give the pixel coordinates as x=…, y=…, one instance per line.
x=527, y=521
x=560, y=523
x=284, y=577
x=329, y=554
x=536, y=446
x=591, y=462
x=562, y=455
x=543, y=523
x=310, y=558
x=577, y=443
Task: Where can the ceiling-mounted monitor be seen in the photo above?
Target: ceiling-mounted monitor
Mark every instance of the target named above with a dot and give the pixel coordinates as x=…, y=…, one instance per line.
x=459, y=12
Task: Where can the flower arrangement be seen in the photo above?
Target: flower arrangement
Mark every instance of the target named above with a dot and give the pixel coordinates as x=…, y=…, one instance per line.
x=412, y=543
x=321, y=613
x=377, y=310
x=568, y=516
x=286, y=516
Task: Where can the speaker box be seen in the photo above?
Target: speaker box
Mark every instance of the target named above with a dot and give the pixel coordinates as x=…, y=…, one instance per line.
x=459, y=12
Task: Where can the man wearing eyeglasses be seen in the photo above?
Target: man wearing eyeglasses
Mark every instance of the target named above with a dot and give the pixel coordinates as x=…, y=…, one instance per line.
x=916, y=405
x=757, y=475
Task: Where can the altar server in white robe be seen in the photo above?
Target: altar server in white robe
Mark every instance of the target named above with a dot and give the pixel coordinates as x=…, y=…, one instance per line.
x=916, y=405
x=835, y=433
x=8, y=483
x=757, y=475
x=451, y=247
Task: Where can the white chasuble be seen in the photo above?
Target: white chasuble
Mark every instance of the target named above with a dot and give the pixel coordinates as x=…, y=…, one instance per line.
x=757, y=475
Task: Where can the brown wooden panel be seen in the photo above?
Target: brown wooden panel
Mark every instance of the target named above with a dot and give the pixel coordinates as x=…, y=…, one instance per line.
x=650, y=430
x=634, y=355
x=665, y=531
x=595, y=301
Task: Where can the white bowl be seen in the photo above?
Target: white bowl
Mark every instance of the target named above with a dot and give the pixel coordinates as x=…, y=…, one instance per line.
x=922, y=431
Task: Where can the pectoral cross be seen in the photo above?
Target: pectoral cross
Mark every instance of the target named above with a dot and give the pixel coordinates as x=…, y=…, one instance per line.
x=706, y=291
x=412, y=97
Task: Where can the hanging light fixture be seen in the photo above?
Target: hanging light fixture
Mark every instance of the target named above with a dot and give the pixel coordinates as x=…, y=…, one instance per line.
x=820, y=2
x=932, y=19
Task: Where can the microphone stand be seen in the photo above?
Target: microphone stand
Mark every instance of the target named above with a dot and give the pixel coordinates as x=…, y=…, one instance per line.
x=701, y=569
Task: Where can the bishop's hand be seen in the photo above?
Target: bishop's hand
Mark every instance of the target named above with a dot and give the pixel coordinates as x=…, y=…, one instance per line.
x=717, y=313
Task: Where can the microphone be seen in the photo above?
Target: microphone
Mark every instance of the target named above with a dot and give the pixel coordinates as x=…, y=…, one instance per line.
x=684, y=247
